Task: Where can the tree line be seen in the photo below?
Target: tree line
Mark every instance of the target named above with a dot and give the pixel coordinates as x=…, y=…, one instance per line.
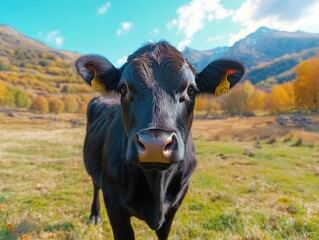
x=14, y=97
x=302, y=94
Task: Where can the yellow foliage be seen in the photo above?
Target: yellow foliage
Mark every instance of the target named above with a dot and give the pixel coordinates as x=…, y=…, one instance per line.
x=307, y=84
x=257, y=101
x=11, y=51
x=70, y=104
x=82, y=107
x=200, y=104
x=7, y=95
x=40, y=104
x=3, y=91
x=56, y=105
x=207, y=105
x=237, y=101
x=280, y=99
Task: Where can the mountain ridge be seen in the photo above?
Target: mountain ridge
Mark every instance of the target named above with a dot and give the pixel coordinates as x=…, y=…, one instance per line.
x=8, y=32
x=269, y=55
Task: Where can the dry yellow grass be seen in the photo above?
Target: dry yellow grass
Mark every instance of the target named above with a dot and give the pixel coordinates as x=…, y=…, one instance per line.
x=245, y=186
x=256, y=128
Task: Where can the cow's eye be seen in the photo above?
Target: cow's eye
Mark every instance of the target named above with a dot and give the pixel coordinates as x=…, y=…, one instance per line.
x=122, y=90
x=191, y=91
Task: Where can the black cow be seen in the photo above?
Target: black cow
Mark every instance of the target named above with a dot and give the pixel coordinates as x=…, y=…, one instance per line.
x=140, y=152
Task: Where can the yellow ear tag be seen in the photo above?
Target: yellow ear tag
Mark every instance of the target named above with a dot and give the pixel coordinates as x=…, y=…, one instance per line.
x=223, y=87
x=97, y=85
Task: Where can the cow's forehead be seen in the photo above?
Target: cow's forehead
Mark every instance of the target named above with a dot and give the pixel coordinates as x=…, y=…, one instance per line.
x=159, y=64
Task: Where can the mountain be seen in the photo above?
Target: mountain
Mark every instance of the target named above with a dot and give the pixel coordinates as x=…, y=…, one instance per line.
x=201, y=58
x=269, y=55
x=12, y=39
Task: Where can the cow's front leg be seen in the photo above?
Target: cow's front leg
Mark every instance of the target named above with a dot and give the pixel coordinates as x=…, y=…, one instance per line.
x=119, y=219
x=95, y=208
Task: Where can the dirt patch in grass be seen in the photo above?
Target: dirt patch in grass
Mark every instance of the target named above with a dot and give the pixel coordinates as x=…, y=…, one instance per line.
x=255, y=129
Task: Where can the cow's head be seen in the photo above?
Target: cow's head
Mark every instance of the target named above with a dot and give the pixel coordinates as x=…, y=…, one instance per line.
x=158, y=88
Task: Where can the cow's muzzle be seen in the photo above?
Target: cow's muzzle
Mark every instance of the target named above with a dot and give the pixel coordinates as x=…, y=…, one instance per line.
x=155, y=148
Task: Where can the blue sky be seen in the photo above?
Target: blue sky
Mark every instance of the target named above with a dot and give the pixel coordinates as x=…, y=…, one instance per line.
x=115, y=28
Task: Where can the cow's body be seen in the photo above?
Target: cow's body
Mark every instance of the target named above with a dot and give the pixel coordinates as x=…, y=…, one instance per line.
x=140, y=152
x=148, y=195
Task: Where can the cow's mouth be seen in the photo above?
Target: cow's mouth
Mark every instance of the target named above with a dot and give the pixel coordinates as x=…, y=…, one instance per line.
x=155, y=166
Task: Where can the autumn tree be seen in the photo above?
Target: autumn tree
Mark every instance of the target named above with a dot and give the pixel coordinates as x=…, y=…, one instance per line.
x=207, y=105
x=200, y=104
x=82, y=107
x=56, y=105
x=3, y=92
x=236, y=102
x=212, y=106
x=290, y=88
x=22, y=100
x=70, y=104
x=306, y=84
x=257, y=101
x=40, y=104
x=281, y=98
x=9, y=97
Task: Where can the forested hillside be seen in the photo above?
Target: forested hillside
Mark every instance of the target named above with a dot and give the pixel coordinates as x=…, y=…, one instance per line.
x=35, y=76
x=301, y=94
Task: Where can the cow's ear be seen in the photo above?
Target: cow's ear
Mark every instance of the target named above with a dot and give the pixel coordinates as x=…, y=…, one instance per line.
x=219, y=76
x=98, y=72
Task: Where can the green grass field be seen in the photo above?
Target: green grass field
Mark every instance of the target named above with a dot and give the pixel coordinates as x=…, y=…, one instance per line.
x=254, y=180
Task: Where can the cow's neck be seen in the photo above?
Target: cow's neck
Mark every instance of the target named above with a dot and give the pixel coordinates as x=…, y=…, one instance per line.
x=158, y=183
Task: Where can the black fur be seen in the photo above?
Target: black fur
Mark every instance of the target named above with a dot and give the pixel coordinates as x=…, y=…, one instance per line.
x=156, y=78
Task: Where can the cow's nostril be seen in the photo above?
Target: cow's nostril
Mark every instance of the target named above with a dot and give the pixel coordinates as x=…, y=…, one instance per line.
x=140, y=146
x=169, y=146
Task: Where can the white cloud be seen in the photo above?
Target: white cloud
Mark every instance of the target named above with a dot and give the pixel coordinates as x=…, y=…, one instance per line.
x=55, y=37
x=170, y=25
x=193, y=16
x=125, y=28
x=289, y=15
x=121, y=60
x=155, y=31
x=59, y=41
x=103, y=9
x=181, y=45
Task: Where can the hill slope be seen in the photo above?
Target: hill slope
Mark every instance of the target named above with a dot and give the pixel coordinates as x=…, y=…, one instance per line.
x=36, y=69
x=269, y=55
x=31, y=64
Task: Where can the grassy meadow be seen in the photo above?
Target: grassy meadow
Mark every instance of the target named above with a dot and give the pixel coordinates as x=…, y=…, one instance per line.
x=255, y=180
